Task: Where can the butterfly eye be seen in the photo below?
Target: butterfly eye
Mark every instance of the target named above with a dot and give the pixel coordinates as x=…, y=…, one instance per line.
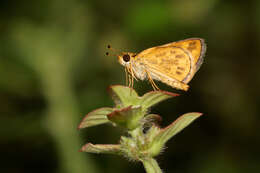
x=126, y=58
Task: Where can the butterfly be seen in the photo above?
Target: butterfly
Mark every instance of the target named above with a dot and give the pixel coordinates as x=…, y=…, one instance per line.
x=173, y=64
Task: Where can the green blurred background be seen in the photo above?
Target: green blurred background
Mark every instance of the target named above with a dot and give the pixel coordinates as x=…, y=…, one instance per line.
x=53, y=71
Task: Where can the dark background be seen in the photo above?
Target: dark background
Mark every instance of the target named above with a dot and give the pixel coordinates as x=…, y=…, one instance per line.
x=53, y=71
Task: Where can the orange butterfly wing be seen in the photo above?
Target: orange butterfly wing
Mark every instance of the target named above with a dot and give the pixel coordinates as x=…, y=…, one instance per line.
x=196, y=47
x=178, y=60
x=172, y=62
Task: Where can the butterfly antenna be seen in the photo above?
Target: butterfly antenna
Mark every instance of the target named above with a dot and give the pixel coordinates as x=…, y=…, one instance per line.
x=113, y=50
x=109, y=54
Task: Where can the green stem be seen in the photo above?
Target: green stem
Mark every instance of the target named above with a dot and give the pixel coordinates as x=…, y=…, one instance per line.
x=151, y=165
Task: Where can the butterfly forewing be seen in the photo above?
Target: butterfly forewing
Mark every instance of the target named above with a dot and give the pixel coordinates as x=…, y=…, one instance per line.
x=173, y=62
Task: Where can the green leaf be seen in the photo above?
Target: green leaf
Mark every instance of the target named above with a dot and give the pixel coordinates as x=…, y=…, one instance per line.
x=96, y=117
x=165, y=134
x=154, y=97
x=123, y=96
x=128, y=117
x=102, y=148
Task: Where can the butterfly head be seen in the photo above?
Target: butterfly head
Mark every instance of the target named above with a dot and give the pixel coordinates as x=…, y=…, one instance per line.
x=126, y=59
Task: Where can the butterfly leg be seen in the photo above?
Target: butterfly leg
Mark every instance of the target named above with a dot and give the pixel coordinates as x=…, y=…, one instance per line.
x=155, y=87
x=132, y=76
x=129, y=81
x=126, y=77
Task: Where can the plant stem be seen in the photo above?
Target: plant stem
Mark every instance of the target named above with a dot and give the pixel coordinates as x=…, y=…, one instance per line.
x=151, y=165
